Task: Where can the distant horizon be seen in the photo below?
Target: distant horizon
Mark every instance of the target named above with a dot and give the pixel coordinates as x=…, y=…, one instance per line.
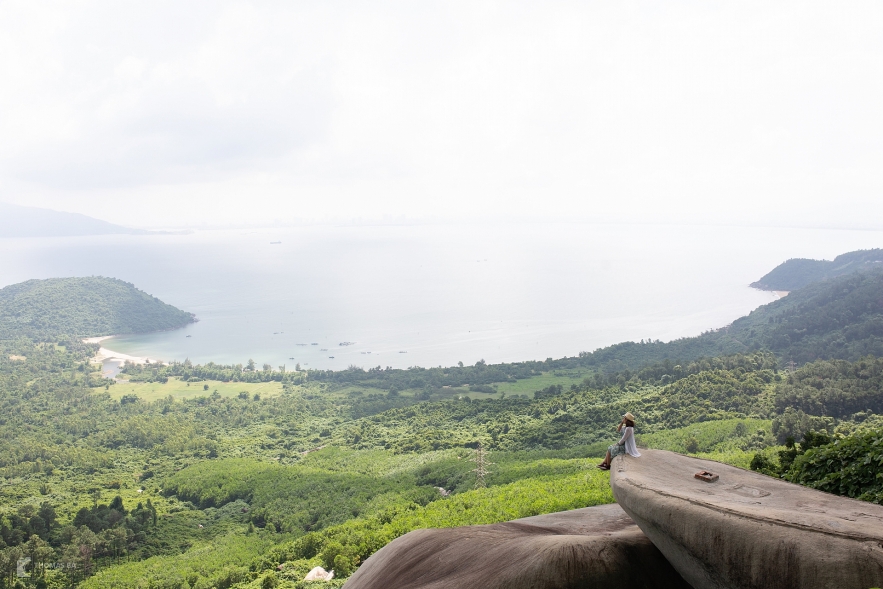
x=443, y=293
x=394, y=221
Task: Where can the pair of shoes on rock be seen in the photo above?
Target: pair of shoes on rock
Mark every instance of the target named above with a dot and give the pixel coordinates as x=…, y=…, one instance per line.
x=603, y=466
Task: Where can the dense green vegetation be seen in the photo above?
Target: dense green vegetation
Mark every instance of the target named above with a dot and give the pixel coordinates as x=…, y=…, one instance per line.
x=309, y=481
x=103, y=487
x=816, y=395
x=850, y=465
x=82, y=307
x=799, y=272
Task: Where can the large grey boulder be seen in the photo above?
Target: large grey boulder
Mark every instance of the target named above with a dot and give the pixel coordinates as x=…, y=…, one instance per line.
x=584, y=548
x=746, y=530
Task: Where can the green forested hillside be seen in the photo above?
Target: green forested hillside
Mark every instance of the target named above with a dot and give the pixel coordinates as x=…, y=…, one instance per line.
x=83, y=307
x=101, y=488
x=799, y=272
x=297, y=480
x=839, y=318
x=823, y=391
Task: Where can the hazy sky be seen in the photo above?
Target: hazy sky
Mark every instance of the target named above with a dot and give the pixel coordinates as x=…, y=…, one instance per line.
x=169, y=113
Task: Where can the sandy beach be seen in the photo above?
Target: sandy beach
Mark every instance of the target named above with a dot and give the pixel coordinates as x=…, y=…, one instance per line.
x=105, y=354
x=781, y=293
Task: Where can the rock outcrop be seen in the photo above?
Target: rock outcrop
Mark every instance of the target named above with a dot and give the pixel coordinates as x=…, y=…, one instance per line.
x=584, y=548
x=746, y=530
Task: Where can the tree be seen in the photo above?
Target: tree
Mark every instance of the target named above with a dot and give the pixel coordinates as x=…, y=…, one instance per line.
x=117, y=504
x=9, y=564
x=40, y=554
x=152, y=510
x=81, y=550
x=114, y=541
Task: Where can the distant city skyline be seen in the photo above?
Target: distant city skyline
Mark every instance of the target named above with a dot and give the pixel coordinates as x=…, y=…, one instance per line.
x=227, y=114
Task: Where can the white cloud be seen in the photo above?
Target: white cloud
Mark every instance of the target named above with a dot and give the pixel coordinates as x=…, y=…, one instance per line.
x=231, y=111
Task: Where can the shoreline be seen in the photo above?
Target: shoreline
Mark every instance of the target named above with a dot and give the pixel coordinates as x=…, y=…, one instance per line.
x=112, y=361
x=107, y=355
x=779, y=294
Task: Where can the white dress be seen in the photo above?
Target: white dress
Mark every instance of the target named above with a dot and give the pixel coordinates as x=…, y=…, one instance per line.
x=626, y=444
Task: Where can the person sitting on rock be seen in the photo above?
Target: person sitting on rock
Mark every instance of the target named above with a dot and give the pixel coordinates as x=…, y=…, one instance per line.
x=626, y=445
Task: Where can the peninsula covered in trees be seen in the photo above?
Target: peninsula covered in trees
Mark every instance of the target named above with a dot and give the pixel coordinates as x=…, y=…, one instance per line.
x=83, y=307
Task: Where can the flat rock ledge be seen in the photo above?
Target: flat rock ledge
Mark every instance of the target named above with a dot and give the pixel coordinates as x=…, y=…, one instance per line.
x=744, y=530
x=584, y=548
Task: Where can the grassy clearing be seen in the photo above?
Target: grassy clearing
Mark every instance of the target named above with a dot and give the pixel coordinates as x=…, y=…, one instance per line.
x=528, y=386
x=525, y=387
x=152, y=391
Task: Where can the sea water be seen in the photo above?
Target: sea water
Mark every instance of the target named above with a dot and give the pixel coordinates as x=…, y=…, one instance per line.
x=430, y=295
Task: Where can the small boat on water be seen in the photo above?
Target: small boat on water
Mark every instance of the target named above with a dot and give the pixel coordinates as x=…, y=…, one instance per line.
x=275, y=242
x=724, y=527
x=332, y=357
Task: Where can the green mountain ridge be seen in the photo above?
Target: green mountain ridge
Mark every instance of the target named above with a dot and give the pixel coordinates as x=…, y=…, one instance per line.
x=837, y=318
x=83, y=307
x=799, y=272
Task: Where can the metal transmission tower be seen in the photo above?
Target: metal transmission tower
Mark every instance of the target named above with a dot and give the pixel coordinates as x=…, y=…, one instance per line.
x=481, y=466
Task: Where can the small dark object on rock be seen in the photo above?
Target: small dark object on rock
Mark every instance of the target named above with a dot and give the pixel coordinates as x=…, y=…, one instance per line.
x=708, y=477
